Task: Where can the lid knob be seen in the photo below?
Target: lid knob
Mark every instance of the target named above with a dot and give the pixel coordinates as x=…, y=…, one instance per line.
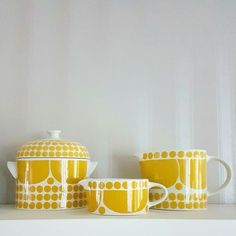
x=54, y=134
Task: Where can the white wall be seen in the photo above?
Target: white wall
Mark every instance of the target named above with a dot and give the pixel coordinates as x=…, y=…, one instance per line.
x=119, y=76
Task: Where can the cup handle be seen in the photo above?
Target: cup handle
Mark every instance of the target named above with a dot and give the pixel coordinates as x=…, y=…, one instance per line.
x=228, y=178
x=152, y=185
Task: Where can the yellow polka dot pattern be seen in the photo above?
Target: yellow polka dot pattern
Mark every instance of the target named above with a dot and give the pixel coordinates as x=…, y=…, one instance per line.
x=121, y=185
x=53, y=148
x=180, y=201
x=173, y=154
x=50, y=196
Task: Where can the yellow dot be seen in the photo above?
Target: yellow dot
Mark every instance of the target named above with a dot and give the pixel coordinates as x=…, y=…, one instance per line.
x=84, y=202
x=25, y=205
x=76, y=195
x=180, y=154
x=50, y=180
x=204, y=196
x=32, y=188
x=75, y=203
x=117, y=185
x=94, y=185
x=164, y=154
x=58, y=154
x=201, y=205
x=71, y=154
x=65, y=154
x=151, y=197
x=20, y=204
x=32, y=153
x=81, y=188
x=51, y=154
x=178, y=186
x=90, y=184
x=26, y=153
x=156, y=155
x=32, y=197
x=196, y=154
x=172, y=154
x=165, y=204
x=76, y=188
x=203, y=154
x=145, y=156
x=31, y=205
x=109, y=185
x=189, y=154
x=101, y=185
x=47, y=197
x=150, y=155
x=180, y=196
x=46, y=205
x=39, y=197
x=45, y=148
x=125, y=185
x=45, y=154
x=80, y=203
x=189, y=205
x=172, y=196
x=157, y=196
x=54, y=205
x=181, y=205
x=38, y=154
x=20, y=196
x=173, y=205
x=54, y=189
x=58, y=148
x=47, y=188
x=54, y=197
x=195, y=205
x=195, y=196
x=101, y=210
x=39, y=205
x=68, y=204
x=158, y=206
x=76, y=154
x=21, y=188
x=80, y=195
x=39, y=189
x=51, y=148
x=69, y=196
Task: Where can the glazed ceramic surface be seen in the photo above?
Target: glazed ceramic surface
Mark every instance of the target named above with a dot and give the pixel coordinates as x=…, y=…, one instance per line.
x=47, y=173
x=120, y=196
x=184, y=174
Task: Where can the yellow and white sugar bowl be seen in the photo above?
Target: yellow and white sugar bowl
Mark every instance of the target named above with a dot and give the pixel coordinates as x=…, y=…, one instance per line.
x=120, y=196
x=47, y=174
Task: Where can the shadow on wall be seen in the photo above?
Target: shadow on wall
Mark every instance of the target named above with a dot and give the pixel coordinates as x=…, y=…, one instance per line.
x=8, y=188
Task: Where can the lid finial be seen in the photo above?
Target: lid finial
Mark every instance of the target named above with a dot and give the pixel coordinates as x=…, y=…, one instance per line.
x=54, y=134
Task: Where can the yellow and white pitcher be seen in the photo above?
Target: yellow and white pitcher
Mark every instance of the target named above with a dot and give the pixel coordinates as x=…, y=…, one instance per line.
x=184, y=174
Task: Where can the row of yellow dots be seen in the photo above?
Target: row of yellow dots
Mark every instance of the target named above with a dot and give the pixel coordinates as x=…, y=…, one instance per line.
x=181, y=205
x=47, y=205
x=53, y=142
x=173, y=154
x=47, y=197
x=48, y=188
x=117, y=185
x=179, y=196
x=51, y=154
x=52, y=148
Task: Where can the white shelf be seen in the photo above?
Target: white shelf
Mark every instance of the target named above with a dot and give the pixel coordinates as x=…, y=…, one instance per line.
x=216, y=220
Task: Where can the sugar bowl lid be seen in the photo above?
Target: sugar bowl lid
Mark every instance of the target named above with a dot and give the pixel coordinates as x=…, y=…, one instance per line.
x=53, y=147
